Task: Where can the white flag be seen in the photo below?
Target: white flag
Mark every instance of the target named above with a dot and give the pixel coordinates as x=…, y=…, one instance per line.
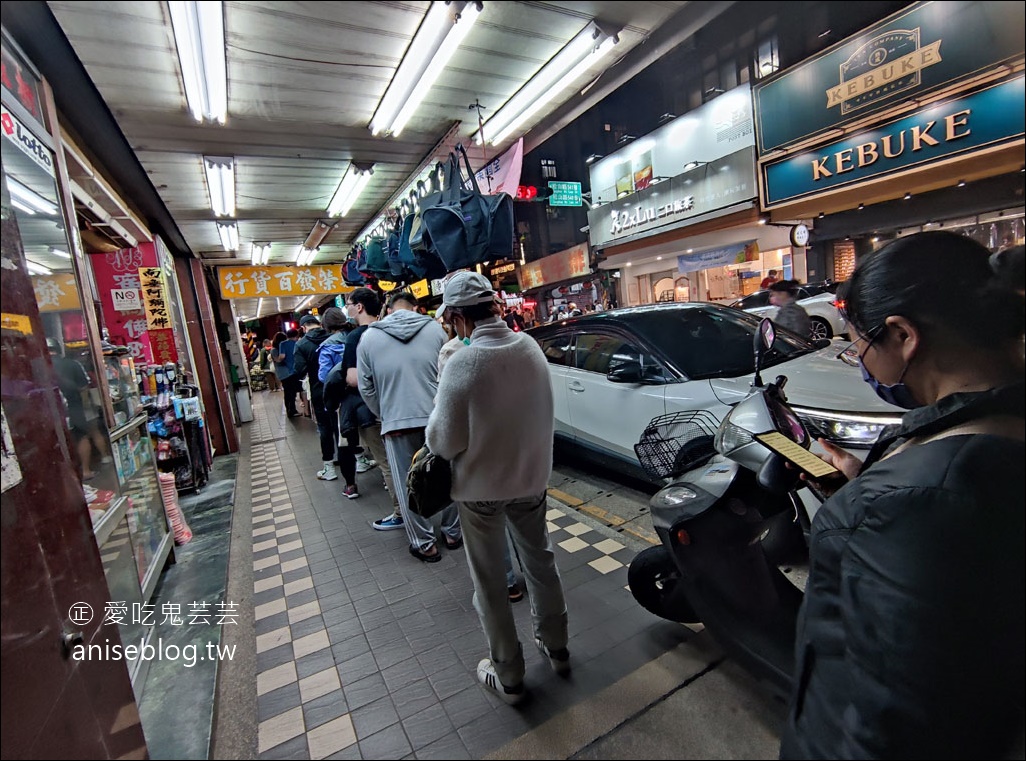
x=502, y=174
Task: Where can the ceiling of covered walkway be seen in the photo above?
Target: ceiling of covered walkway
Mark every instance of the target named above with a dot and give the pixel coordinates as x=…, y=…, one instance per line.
x=304, y=80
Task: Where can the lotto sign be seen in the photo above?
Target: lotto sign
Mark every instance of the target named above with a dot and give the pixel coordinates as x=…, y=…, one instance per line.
x=126, y=300
x=254, y=282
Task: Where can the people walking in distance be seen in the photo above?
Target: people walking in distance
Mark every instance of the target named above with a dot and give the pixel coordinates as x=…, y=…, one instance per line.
x=327, y=423
x=267, y=366
x=283, y=352
x=910, y=637
x=329, y=353
x=500, y=472
x=397, y=371
x=791, y=315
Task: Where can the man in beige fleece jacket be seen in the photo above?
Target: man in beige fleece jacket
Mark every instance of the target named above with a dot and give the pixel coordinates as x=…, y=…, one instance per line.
x=500, y=471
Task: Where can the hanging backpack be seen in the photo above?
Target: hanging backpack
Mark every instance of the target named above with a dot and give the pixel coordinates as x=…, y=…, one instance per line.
x=376, y=264
x=392, y=246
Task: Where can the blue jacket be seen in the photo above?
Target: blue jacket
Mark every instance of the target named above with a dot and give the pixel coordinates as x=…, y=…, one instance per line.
x=330, y=354
x=286, y=369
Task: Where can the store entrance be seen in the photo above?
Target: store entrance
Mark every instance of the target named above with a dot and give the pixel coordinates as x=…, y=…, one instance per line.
x=55, y=591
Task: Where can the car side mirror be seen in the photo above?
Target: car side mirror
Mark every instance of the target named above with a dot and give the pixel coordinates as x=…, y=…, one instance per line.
x=628, y=372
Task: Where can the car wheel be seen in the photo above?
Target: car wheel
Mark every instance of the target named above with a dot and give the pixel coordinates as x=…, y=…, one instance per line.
x=655, y=583
x=821, y=329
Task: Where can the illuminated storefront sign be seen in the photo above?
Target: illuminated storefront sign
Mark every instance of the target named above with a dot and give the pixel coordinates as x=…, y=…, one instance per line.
x=984, y=119
x=250, y=282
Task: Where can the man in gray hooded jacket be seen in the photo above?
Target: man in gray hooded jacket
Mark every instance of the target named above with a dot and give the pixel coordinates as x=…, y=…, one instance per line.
x=397, y=365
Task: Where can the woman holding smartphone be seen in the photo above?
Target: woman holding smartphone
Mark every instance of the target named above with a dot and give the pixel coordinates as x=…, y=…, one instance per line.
x=910, y=640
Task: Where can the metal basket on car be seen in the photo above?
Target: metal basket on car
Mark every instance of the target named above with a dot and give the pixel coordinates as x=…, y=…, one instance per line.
x=672, y=444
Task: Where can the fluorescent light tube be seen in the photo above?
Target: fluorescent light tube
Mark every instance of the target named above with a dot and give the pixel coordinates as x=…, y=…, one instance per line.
x=254, y=257
x=349, y=189
x=37, y=269
x=305, y=256
x=266, y=255
x=199, y=36
x=260, y=307
x=220, y=172
x=30, y=198
x=61, y=254
x=562, y=84
x=229, y=232
x=420, y=51
x=457, y=33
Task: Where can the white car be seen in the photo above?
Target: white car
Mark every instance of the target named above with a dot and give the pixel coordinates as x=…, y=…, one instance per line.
x=613, y=372
x=816, y=299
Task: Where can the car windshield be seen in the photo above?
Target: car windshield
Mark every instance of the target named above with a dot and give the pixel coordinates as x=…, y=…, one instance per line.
x=708, y=341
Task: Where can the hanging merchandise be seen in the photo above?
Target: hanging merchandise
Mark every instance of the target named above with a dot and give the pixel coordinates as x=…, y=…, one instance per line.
x=351, y=274
x=376, y=260
x=465, y=227
x=395, y=264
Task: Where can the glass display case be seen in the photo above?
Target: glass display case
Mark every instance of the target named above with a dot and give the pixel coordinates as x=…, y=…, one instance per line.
x=138, y=485
x=123, y=384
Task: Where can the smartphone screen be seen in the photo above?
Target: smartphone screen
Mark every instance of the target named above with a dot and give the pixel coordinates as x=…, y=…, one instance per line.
x=798, y=456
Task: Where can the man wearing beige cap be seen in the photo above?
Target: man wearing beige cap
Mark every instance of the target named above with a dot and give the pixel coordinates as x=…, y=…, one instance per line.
x=500, y=471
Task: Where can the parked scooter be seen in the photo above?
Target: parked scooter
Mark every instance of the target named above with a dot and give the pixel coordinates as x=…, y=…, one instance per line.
x=726, y=524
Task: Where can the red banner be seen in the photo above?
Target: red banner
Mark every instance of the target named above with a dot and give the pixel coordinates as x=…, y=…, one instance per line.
x=119, y=271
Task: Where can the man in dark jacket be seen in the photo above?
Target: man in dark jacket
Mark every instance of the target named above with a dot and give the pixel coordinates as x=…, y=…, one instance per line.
x=306, y=365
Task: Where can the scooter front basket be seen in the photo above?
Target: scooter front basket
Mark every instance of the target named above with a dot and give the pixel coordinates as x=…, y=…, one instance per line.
x=673, y=444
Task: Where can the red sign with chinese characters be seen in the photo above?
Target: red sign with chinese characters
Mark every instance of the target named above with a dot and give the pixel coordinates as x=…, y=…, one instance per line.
x=162, y=342
x=119, y=270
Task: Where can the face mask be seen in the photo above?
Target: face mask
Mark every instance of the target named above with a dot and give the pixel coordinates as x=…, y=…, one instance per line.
x=897, y=394
x=466, y=341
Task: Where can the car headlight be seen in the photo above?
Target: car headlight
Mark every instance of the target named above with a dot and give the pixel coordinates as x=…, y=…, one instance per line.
x=675, y=495
x=850, y=431
x=730, y=437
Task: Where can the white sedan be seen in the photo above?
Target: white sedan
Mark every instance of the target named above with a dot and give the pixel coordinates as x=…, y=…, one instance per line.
x=613, y=372
x=818, y=300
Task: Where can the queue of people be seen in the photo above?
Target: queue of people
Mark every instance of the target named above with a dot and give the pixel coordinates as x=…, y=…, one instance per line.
x=914, y=559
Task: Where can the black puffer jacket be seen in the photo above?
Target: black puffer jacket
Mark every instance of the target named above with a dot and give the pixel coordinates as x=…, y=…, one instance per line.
x=910, y=640
x=306, y=360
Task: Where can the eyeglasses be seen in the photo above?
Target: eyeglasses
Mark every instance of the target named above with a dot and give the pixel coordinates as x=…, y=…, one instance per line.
x=850, y=355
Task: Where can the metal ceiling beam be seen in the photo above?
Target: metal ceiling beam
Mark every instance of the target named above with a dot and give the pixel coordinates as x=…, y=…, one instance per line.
x=33, y=27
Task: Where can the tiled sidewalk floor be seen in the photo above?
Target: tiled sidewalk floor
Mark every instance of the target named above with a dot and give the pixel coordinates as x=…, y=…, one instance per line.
x=366, y=652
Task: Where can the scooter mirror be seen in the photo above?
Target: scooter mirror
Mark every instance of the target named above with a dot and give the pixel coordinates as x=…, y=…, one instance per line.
x=763, y=340
x=767, y=333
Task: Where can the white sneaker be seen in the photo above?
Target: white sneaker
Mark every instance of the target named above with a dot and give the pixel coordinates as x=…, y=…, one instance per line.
x=327, y=473
x=363, y=463
x=486, y=675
